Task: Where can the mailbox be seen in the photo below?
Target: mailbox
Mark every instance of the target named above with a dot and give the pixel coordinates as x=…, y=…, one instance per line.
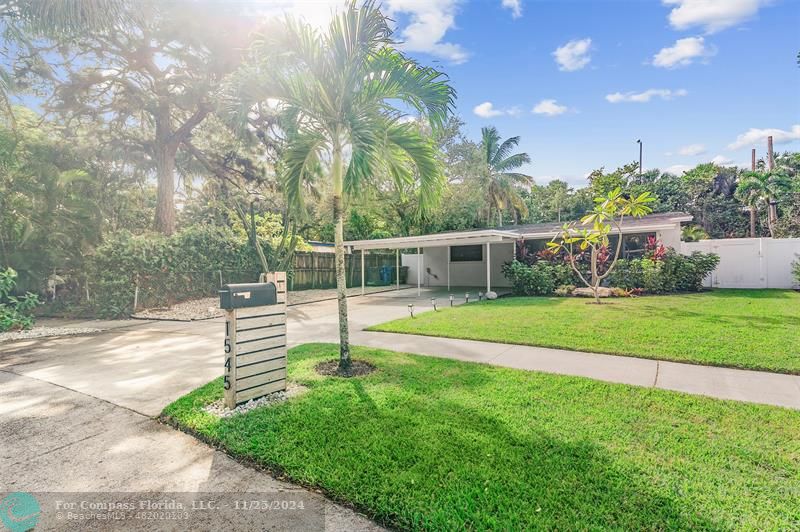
x=247, y=295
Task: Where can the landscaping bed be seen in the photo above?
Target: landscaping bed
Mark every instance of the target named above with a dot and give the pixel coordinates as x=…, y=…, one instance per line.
x=429, y=443
x=754, y=329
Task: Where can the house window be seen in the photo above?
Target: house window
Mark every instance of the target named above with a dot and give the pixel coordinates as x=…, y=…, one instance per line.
x=466, y=253
x=634, y=245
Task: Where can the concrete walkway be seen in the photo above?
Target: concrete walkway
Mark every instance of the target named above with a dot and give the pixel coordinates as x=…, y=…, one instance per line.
x=319, y=323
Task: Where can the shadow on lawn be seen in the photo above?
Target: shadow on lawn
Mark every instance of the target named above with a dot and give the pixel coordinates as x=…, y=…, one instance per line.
x=436, y=446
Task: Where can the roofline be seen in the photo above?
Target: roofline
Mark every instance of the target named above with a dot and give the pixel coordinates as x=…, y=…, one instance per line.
x=625, y=230
x=480, y=236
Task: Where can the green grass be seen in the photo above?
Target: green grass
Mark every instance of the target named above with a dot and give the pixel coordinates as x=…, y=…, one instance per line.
x=428, y=443
x=755, y=329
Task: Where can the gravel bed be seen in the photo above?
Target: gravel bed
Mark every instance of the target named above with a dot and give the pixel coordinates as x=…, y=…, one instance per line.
x=43, y=332
x=218, y=408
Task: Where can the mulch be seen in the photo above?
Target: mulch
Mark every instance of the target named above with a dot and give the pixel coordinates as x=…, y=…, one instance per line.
x=358, y=368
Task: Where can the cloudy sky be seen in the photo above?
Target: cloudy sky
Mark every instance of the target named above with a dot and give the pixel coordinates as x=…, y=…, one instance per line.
x=581, y=80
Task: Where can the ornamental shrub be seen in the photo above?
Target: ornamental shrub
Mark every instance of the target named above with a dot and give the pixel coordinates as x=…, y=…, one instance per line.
x=672, y=273
x=16, y=312
x=166, y=269
x=535, y=280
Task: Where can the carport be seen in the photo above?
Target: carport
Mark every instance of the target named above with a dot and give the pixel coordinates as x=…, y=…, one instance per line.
x=465, y=247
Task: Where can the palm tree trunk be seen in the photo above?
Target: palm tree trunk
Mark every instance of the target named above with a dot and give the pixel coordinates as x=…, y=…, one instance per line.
x=752, y=222
x=341, y=281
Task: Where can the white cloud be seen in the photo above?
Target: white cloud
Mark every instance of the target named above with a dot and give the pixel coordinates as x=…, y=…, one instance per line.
x=683, y=53
x=713, y=15
x=754, y=136
x=721, y=160
x=692, y=149
x=488, y=110
x=646, y=96
x=574, y=55
x=549, y=108
x=515, y=6
x=677, y=169
x=429, y=22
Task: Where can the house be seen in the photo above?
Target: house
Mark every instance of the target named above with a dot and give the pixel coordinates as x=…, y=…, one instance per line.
x=475, y=257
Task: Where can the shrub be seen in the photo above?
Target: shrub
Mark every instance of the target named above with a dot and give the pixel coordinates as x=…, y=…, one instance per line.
x=165, y=267
x=796, y=271
x=535, y=280
x=16, y=312
x=672, y=273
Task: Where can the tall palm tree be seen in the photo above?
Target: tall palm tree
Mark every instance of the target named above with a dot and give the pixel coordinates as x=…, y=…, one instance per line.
x=502, y=183
x=340, y=88
x=762, y=188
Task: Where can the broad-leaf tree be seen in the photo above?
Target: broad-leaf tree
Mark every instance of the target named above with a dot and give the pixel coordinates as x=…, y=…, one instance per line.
x=500, y=177
x=347, y=89
x=592, y=234
x=147, y=85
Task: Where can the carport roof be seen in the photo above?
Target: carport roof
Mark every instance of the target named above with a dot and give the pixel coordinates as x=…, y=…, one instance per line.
x=510, y=233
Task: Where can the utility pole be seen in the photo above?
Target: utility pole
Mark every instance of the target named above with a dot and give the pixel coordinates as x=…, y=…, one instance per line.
x=772, y=212
x=770, y=154
x=752, y=207
x=639, y=142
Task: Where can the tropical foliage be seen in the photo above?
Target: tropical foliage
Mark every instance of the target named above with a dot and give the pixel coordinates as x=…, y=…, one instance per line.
x=592, y=235
x=16, y=312
x=337, y=92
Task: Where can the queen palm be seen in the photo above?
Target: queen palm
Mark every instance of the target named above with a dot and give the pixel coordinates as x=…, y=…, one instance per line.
x=762, y=188
x=501, y=181
x=340, y=89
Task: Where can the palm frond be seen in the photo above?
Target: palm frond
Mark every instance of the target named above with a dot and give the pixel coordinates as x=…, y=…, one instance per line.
x=513, y=162
x=504, y=150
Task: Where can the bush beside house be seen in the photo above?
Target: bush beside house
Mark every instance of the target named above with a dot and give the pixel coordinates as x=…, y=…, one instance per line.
x=661, y=270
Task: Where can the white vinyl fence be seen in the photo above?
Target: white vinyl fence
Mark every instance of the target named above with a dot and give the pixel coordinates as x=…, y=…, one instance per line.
x=750, y=262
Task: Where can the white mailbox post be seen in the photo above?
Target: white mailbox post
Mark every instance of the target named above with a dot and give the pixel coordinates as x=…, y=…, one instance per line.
x=255, y=339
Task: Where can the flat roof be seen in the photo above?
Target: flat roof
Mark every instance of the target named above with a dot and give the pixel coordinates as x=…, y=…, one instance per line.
x=511, y=233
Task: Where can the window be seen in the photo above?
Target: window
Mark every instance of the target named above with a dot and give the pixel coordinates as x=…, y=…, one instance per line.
x=635, y=244
x=466, y=253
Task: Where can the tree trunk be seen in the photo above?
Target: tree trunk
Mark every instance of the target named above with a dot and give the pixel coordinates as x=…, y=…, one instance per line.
x=752, y=222
x=499, y=217
x=341, y=280
x=165, y=202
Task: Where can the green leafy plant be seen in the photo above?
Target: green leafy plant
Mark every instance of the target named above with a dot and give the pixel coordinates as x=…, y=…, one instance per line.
x=592, y=235
x=16, y=312
x=535, y=280
x=796, y=272
x=672, y=273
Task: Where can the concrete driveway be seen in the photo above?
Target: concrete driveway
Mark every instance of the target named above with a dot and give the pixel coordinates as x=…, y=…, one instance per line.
x=76, y=413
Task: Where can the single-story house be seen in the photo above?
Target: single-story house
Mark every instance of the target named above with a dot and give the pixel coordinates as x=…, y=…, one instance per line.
x=475, y=257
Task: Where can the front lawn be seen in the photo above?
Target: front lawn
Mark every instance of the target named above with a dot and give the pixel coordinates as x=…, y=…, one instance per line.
x=755, y=329
x=429, y=443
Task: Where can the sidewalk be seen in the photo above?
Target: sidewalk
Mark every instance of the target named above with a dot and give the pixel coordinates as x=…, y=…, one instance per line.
x=723, y=383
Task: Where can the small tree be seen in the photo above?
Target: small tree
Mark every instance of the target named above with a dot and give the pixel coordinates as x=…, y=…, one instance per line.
x=606, y=218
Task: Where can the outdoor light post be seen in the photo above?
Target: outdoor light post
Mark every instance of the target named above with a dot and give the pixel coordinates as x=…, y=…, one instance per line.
x=411, y=309
x=433, y=302
x=451, y=300
x=639, y=142
x=466, y=297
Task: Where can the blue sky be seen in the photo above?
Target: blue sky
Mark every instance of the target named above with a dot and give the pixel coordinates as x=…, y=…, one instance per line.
x=696, y=80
